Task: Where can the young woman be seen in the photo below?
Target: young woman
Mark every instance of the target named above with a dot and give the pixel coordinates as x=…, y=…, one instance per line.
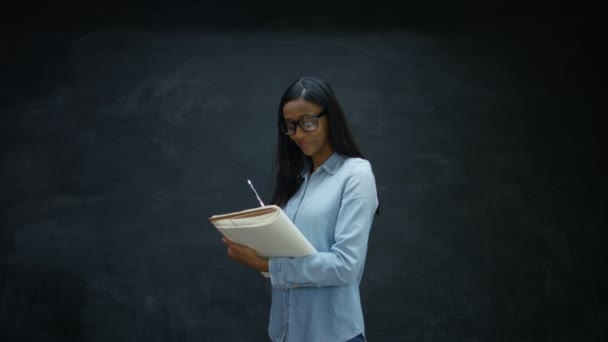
x=328, y=190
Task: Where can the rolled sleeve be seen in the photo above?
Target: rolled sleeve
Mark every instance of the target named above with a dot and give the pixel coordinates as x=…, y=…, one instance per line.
x=276, y=276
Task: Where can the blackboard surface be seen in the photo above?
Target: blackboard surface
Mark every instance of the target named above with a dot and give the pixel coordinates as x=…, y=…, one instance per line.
x=120, y=139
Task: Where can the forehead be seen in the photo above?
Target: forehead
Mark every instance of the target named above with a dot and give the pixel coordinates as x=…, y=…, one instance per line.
x=295, y=109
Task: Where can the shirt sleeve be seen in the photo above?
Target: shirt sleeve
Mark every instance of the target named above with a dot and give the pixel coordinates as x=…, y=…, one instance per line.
x=343, y=264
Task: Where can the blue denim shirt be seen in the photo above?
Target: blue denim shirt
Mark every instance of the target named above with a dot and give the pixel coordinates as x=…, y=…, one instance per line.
x=316, y=298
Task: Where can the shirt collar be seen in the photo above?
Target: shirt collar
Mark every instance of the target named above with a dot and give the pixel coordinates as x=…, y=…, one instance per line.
x=332, y=163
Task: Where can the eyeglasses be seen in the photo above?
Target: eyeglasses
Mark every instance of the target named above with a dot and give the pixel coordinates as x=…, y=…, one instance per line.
x=307, y=124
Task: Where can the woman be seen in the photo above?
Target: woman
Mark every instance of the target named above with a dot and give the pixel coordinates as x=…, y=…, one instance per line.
x=328, y=190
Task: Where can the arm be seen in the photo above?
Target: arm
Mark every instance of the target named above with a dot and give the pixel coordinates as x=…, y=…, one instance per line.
x=344, y=262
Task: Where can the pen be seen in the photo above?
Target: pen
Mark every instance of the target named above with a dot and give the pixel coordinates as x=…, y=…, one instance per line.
x=255, y=192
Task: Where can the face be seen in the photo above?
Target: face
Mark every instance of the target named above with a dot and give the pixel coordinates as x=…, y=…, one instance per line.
x=314, y=144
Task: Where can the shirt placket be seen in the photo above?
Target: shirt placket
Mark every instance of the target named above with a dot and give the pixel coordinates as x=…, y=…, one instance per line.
x=306, y=181
x=288, y=294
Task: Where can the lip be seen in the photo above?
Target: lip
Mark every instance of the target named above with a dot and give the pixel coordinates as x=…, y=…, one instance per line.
x=305, y=143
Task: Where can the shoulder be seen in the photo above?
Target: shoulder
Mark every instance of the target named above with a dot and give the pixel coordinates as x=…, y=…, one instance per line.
x=357, y=171
x=358, y=178
x=354, y=166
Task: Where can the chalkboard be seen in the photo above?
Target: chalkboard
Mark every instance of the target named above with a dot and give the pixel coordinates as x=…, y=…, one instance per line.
x=119, y=141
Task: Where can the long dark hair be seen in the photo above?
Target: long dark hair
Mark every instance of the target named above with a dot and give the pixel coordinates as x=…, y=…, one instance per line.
x=290, y=161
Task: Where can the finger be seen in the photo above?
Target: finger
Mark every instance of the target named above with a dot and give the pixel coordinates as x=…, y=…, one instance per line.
x=229, y=243
x=234, y=255
x=236, y=246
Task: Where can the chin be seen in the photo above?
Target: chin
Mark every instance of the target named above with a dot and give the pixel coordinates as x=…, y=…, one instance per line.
x=307, y=152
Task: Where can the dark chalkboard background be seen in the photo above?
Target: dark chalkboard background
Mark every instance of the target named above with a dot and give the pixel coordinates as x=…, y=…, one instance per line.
x=123, y=127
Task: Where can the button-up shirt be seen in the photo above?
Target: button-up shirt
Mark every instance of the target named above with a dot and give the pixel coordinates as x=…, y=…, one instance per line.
x=316, y=298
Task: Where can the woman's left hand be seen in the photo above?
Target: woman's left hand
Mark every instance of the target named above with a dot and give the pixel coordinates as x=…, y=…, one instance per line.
x=245, y=256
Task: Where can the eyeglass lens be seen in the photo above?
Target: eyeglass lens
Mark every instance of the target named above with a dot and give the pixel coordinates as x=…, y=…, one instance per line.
x=306, y=124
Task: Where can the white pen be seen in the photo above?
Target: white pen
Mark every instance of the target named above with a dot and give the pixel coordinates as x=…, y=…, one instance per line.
x=255, y=192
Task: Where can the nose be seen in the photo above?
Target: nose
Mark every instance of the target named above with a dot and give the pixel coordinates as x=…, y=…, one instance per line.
x=299, y=132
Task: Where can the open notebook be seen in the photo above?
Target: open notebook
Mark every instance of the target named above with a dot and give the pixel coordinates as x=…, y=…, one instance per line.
x=265, y=229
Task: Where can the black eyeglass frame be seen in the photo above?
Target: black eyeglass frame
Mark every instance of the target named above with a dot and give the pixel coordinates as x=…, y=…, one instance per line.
x=284, y=129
